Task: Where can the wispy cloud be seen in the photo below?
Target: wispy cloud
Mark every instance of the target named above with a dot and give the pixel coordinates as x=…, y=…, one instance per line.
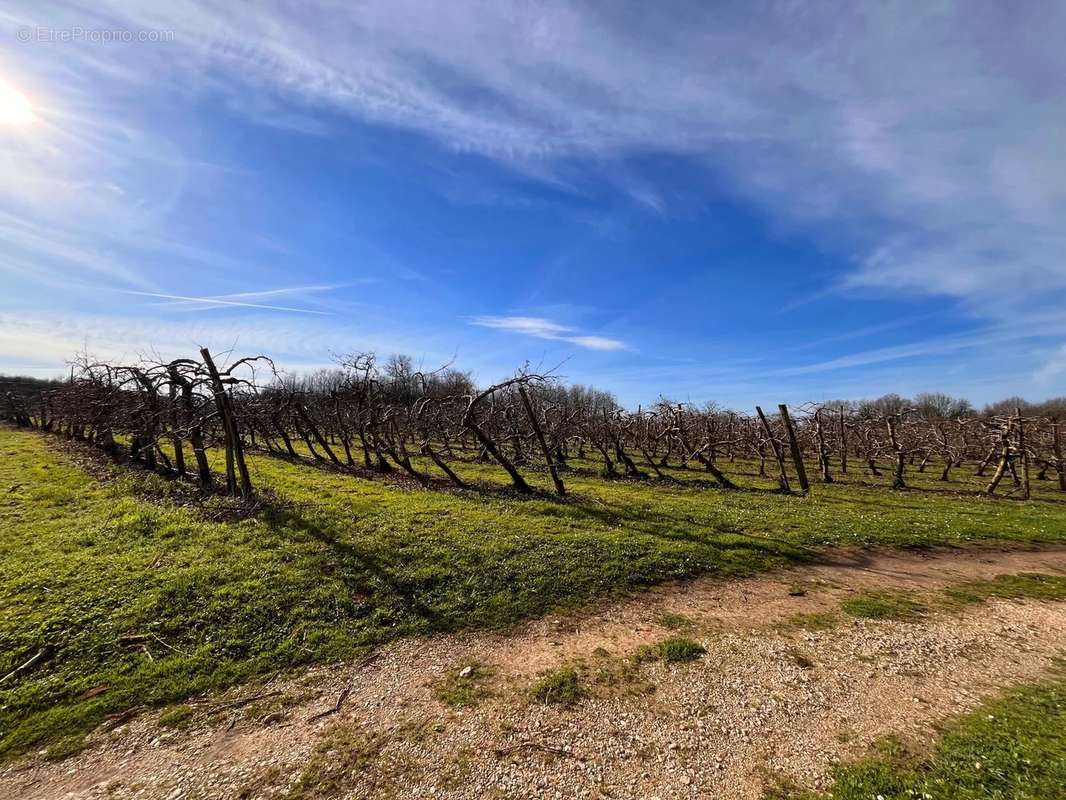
x=222, y=301
x=1053, y=367
x=940, y=164
x=41, y=342
x=931, y=347
x=218, y=301
x=541, y=328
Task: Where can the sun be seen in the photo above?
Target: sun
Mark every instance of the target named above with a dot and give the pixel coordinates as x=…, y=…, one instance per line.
x=15, y=107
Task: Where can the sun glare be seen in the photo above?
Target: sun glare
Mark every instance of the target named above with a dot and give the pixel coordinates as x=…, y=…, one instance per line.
x=15, y=107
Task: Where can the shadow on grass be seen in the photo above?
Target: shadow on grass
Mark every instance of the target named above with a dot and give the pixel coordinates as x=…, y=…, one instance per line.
x=356, y=561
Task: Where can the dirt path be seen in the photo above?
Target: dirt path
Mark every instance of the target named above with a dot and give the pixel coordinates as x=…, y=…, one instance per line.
x=768, y=701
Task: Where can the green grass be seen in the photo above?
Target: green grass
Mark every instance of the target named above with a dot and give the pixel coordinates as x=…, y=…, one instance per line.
x=910, y=606
x=154, y=602
x=465, y=687
x=65, y=747
x=678, y=648
x=344, y=750
x=1013, y=748
x=1026, y=585
x=900, y=605
x=176, y=717
x=562, y=687
x=675, y=622
x=673, y=650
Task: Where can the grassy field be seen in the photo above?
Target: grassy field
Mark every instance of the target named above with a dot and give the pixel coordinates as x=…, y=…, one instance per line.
x=137, y=599
x=1013, y=748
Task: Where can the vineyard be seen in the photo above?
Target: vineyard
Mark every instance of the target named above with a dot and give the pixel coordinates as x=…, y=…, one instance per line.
x=372, y=419
x=171, y=529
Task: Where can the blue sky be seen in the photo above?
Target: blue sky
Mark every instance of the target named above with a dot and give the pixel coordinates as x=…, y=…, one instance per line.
x=744, y=202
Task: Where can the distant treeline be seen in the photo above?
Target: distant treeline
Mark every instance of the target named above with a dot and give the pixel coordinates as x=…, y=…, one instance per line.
x=931, y=405
x=937, y=405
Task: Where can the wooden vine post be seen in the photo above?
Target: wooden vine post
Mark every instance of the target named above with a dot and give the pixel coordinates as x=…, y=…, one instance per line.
x=843, y=444
x=823, y=449
x=901, y=457
x=196, y=433
x=793, y=444
x=175, y=427
x=234, y=448
x=1056, y=444
x=1024, y=452
x=782, y=475
x=560, y=489
x=1004, y=459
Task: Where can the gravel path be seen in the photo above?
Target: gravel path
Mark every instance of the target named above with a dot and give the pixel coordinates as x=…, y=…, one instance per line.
x=769, y=702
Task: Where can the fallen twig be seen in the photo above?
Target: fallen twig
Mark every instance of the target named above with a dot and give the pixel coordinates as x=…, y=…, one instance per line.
x=112, y=721
x=169, y=647
x=347, y=690
x=42, y=654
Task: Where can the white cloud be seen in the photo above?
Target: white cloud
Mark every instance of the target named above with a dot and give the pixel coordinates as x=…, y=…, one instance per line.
x=597, y=342
x=41, y=342
x=541, y=328
x=187, y=303
x=929, y=135
x=1052, y=368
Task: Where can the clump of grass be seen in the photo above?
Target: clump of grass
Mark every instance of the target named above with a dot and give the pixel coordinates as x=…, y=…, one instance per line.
x=260, y=784
x=176, y=717
x=816, y=621
x=675, y=622
x=899, y=605
x=343, y=750
x=561, y=687
x=672, y=650
x=680, y=648
x=621, y=675
x=800, y=659
x=66, y=747
x=778, y=786
x=893, y=749
x=1026, y=585
x=466, y=687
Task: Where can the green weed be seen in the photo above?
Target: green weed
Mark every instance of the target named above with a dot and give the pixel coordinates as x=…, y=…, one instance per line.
x=1026, y=585
x=675, y=622
x=562, y=687
x=465, y=687
x=672, y=650
x=897, y=605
